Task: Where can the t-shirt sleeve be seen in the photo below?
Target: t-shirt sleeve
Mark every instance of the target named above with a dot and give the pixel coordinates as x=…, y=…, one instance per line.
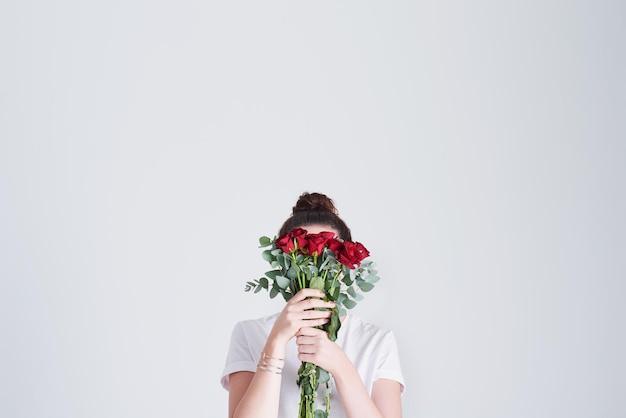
x=389, y=361
x=239, y=357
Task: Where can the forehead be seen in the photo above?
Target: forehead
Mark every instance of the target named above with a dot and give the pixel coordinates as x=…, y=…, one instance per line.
x=316, y=229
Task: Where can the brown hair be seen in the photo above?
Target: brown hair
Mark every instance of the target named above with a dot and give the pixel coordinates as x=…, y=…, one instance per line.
x=316, y=209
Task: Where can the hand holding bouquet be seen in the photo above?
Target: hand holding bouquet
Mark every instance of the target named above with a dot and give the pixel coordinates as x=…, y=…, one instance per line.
x=319, y=261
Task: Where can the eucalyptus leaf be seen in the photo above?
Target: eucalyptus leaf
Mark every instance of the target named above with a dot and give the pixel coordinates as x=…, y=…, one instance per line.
x=340, y=299
x=333, y=294
x=320, y=413
x=267, y=255
x=372, y=278
x=365, y=286
x=282, y=282
x=323, y=377
x=292, y=273
x=349, y=304
x=334, y=324
x=317, y=282
x=357, y=296
x=264, y=283
x=286, y=295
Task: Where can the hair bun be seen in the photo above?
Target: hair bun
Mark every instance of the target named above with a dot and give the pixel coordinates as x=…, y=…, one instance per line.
x=314, y=202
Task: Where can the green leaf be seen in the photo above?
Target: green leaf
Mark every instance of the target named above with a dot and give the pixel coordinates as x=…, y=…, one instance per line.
x=349, y=304
x=267, y=255
x=323, y=377
x=308, y=390
x=365, y=286
x=317, y=282
x=265, y=241
x=292, y=273
x=286, y=295
x=264, y=283
x=282, y=282
x=354, y=295
x=333, y=294
x=372, y=278
x=319, y=413
x=340, y=299
x=333, y=325
x=274, y=291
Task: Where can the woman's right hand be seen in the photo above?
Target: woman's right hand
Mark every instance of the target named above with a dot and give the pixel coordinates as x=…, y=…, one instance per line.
x=300, y=311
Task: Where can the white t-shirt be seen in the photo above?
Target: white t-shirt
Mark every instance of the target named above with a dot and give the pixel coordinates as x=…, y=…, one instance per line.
x=372, y=350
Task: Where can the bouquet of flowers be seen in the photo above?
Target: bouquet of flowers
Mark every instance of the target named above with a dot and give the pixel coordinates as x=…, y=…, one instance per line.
x=320, y=261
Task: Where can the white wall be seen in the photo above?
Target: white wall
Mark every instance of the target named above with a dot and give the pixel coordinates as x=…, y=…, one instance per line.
x=477, y=149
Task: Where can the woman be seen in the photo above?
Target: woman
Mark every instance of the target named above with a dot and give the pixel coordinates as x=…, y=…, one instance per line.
x=264, y=354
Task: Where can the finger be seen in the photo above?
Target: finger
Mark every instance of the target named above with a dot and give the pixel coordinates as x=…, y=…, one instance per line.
x=307, y=293
x=309, y=331
x=306, y=349
x=315, y=314
x=314, y=305
x=309, y=304
x=303, y=340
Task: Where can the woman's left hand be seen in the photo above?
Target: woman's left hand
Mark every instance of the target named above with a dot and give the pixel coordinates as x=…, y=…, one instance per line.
x=315, y=347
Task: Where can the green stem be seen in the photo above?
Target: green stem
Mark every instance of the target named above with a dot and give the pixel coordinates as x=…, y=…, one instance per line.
x=299, y=276
x=335, y=279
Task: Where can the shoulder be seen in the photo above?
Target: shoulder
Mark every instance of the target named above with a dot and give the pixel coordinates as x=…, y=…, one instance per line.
x=250, y=334
x=365, y=326
x=256, y=325
x=359, y=328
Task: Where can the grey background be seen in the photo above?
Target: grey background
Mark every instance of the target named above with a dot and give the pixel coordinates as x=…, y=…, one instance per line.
x=476, y=148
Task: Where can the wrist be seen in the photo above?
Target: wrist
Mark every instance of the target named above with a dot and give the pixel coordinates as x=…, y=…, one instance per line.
x=271, y=364
x=275, y=347
x=343, y=366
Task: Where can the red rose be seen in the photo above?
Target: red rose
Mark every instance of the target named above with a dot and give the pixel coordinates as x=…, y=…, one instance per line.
x=294, y=239
x=299, y=235
x=335, y=246
x=316, y=242
x=352, y=254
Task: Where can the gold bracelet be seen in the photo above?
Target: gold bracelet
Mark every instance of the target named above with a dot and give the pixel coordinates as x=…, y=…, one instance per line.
x=265, y=356
x=270, y=368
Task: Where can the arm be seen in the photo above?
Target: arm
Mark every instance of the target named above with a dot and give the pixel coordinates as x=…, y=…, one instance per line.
x=315, y=347
x=256, y=395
